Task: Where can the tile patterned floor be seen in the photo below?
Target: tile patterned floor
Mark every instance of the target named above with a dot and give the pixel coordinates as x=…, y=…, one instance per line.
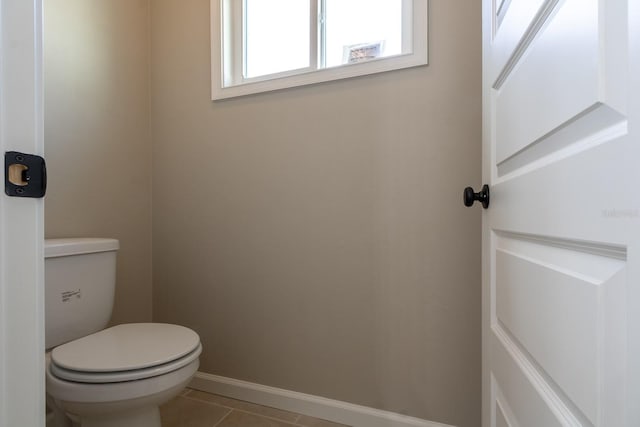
x=197, y=409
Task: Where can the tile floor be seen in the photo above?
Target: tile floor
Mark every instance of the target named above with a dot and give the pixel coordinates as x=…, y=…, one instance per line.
x=197, y=409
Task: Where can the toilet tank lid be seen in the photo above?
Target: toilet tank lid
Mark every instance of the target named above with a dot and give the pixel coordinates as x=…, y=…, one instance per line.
x=78, y=245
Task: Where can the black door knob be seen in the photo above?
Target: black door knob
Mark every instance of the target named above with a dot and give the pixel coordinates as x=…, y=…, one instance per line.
x=470, y=196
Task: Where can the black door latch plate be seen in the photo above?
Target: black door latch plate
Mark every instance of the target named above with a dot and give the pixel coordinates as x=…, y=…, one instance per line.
x=25, y=175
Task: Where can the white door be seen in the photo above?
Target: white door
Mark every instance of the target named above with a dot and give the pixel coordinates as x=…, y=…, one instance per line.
x=21, y=220
x=561, y=238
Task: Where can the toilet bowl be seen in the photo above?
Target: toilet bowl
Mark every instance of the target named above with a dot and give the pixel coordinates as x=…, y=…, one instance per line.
x=111, y=377
x=119, y=376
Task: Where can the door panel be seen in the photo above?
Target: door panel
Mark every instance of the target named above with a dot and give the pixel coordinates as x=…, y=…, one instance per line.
x=510, y=22
x=517, y=385
x=558, y=74
x=570, y=66
x=554, y=306
x=561, y=237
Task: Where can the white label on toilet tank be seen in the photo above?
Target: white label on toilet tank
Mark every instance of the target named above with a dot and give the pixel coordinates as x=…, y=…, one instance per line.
x=69, y=295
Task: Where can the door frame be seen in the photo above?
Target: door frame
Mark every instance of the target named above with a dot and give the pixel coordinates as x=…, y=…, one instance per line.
x=486, y=417
x=22, y=389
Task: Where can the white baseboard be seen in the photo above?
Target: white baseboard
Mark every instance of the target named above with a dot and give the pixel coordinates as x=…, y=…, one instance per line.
x=313, y=406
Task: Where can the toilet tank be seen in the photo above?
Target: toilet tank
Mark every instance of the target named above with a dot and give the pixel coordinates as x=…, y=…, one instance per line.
x=79, y=281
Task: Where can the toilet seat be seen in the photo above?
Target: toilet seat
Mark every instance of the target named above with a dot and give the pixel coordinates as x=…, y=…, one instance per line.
x=127, y=392
x=126, y=353
x=123, y=376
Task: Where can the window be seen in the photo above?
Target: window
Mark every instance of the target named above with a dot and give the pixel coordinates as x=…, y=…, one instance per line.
x=264, y=45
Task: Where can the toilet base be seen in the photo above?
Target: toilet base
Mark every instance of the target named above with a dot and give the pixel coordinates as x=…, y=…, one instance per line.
x=143, y=412
x=139, y=412
x=142, y=417
x=133, y=403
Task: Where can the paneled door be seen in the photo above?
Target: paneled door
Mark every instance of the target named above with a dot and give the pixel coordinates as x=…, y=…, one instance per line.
x=561, y=237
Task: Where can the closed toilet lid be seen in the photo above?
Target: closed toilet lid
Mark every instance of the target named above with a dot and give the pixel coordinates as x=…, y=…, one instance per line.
x=126, y=347
x=123, y=376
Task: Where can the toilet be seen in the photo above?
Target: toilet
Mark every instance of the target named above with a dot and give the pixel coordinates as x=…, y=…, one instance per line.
x=97, y=377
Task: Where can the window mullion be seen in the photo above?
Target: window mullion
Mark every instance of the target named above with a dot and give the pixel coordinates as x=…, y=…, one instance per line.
x=313, y=33
x=322, y=33
x=241, y=58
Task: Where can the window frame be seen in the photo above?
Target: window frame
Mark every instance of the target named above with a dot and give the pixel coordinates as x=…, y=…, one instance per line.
x=227, y=53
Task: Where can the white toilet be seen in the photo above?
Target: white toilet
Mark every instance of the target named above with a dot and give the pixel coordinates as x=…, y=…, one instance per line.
x=100, y=377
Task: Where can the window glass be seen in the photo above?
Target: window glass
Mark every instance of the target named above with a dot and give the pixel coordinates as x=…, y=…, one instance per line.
x=357, y=30
x=264, y=45
x=276, y=36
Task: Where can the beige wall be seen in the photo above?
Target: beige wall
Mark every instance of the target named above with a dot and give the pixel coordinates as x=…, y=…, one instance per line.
x=315, y=237
x=97, y=137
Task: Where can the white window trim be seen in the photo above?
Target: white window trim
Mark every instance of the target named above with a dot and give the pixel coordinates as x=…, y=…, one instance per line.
x=225, y=32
